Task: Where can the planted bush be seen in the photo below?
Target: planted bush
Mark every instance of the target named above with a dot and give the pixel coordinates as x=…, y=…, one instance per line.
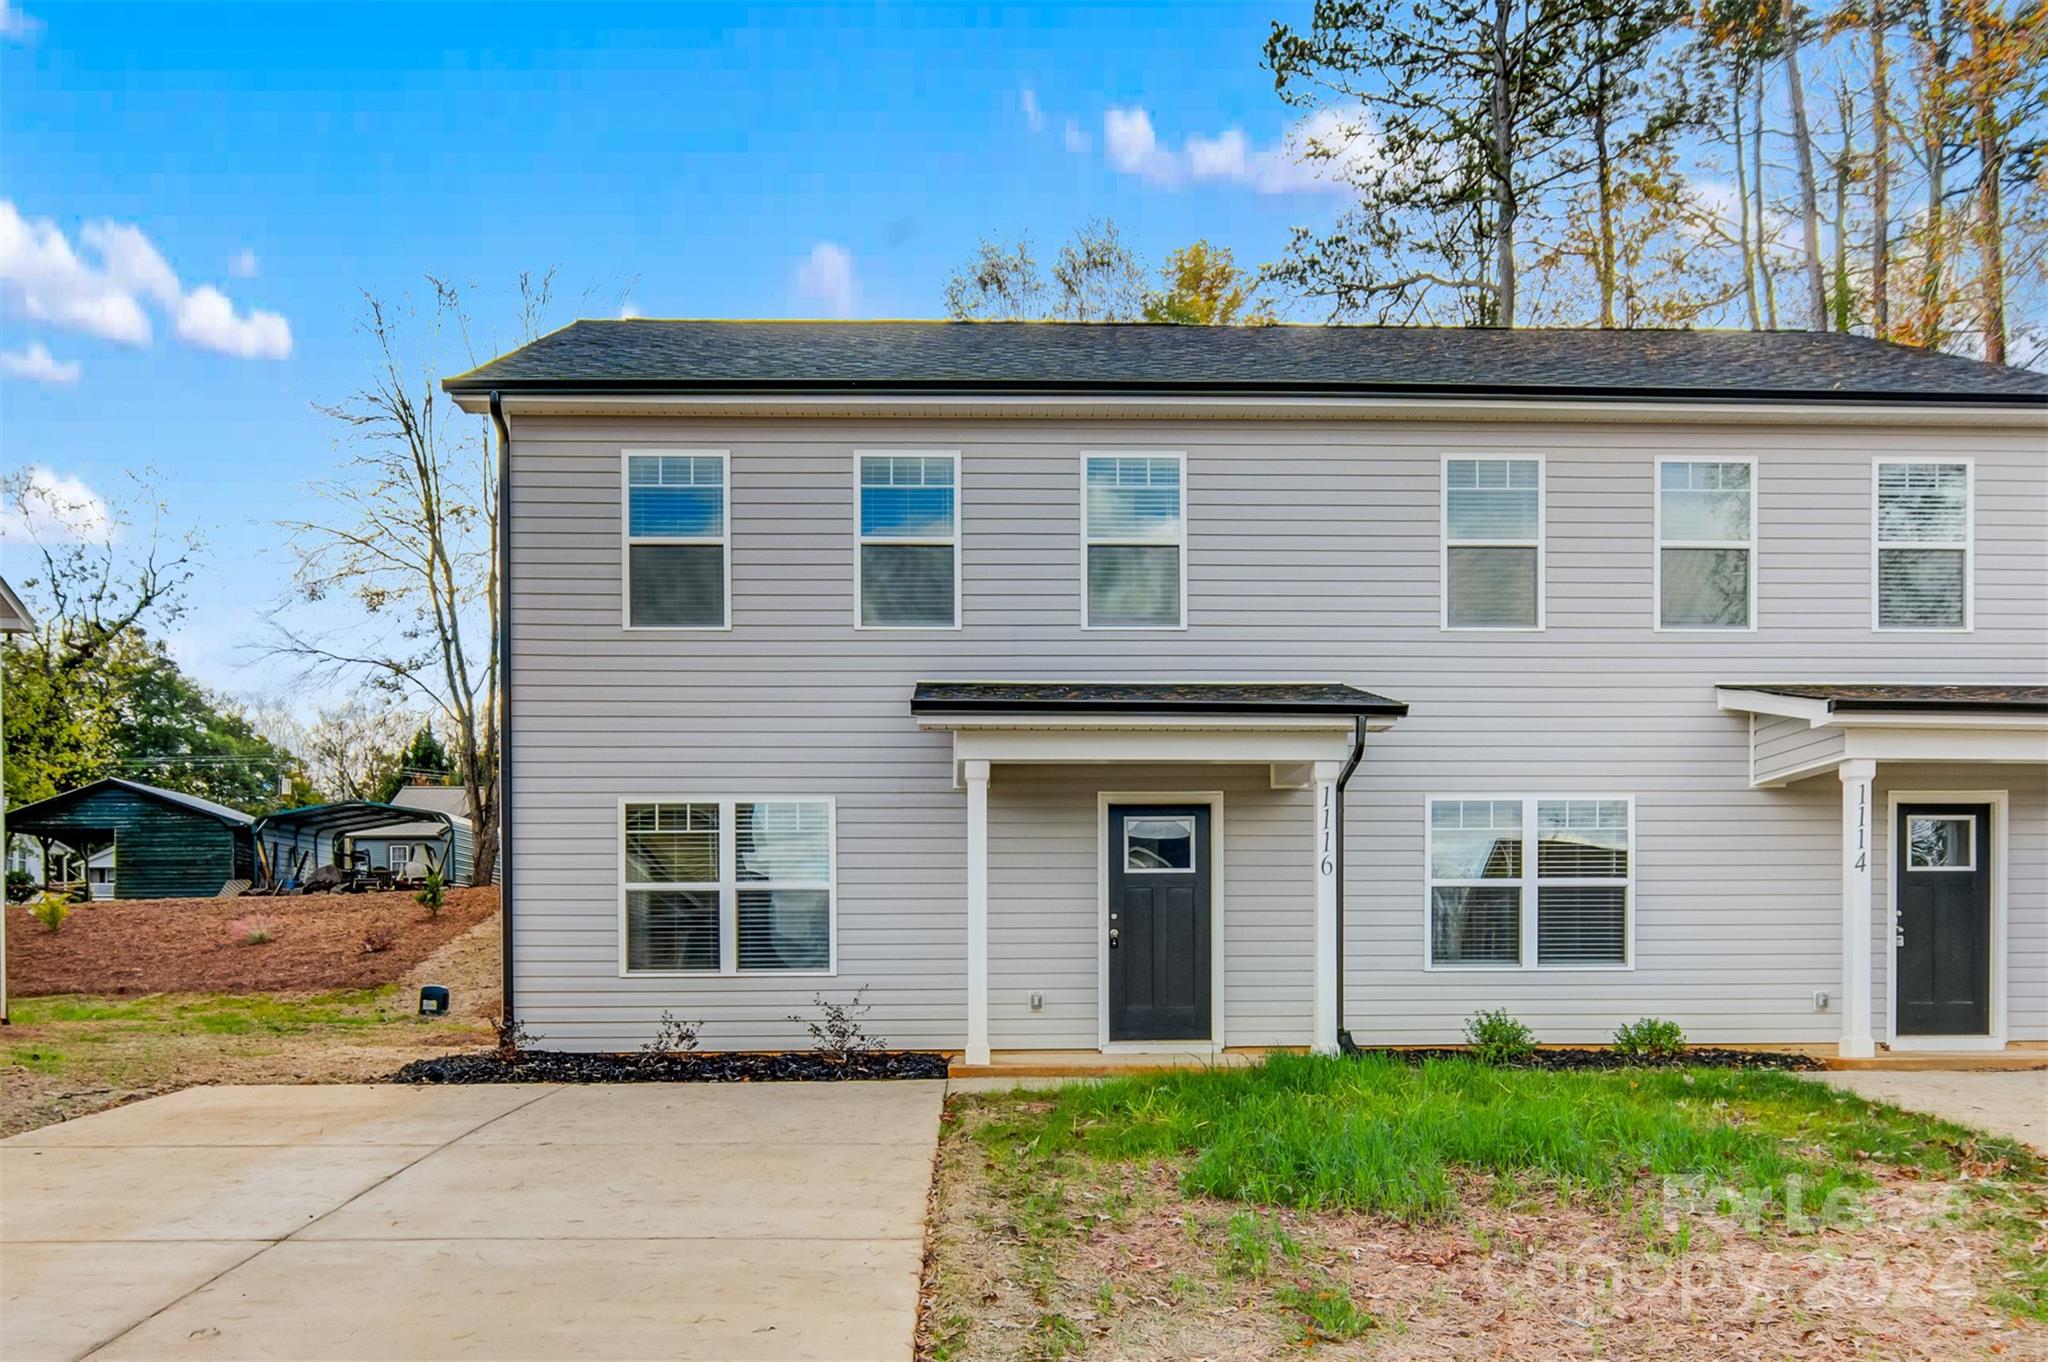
x=837, y=1033
x=1649, y=1038
x=1497, y=1038
x=433, y=893
x=51, y=910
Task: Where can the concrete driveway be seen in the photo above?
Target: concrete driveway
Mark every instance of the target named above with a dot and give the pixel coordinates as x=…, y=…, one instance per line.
x=2010, y=1104
x=756, y=1221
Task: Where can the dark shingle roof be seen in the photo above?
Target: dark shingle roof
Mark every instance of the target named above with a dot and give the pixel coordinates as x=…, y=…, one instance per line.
x=1850, y=698
x=1285, y=697
x=1052, y=357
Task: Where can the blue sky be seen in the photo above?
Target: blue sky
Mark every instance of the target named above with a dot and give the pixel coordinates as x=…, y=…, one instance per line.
x=228, y=178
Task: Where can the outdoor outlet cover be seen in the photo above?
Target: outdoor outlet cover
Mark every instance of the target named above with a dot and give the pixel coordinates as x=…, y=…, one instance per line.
x=1037, y=1002
x=1820, y=1001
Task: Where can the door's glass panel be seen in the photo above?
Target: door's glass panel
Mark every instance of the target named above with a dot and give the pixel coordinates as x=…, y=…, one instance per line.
x=1942, y=842
x=1159, y=844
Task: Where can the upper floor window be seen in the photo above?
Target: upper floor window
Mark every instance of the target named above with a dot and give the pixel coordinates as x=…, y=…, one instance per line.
x=908, y=568
x=677, y=548
x=727, y=886
x=1136, y=542
x=1706, y=544
x=1516, y=882
x=1493, y=544
x=1922, y=545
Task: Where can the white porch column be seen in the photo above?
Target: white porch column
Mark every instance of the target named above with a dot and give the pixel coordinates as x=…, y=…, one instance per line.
x=1857, y=849
x=976, y=775
x=1327, y=833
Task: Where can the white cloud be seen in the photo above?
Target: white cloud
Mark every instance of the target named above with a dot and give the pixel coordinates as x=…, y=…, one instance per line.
x=1027, y=99
x=207, y=319
x=1132, y=146
x=1077, y=141
x=44, y=279
x=628, y=310
x=54, y=510
x=244, y=265
x=826, y=277
x=17, y=27
x=38, y=365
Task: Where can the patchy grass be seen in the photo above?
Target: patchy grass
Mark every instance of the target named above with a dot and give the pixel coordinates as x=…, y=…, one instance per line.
x=68, y=1055
x=1347, y=1204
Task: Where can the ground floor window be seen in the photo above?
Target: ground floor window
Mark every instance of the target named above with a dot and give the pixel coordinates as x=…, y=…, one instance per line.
x=1521, y=882
x=727, y=886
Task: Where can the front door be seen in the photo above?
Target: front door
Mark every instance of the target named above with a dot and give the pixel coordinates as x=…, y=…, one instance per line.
x=1942, y=919
x=1158, y=928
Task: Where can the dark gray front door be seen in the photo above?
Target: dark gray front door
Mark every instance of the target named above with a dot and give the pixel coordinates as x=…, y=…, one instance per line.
x=1943, y=926
x=1158, y=925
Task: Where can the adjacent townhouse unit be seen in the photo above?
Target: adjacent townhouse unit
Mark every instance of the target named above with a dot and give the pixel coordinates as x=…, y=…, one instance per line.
x=1120, y=687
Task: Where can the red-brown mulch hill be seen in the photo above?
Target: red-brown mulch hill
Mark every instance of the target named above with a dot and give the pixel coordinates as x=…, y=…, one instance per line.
x=202, y=945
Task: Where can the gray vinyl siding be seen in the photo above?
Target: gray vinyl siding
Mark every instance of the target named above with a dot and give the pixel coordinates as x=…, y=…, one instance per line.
x=1312, y=554
x=1786, y=747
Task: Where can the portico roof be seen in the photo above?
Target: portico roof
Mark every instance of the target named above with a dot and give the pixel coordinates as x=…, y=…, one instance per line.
x=1801, y=729
x=1318, y=698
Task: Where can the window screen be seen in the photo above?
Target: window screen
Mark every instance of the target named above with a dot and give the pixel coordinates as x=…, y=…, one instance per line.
x=676, y=541
x=1706, y=530
x=1923, y=545
x=1493, y=518
x=909, y=541
x=1135, y=531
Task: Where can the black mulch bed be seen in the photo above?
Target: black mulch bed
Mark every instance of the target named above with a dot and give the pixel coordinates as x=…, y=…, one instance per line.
x=561, y=1066
x=1695, y=1057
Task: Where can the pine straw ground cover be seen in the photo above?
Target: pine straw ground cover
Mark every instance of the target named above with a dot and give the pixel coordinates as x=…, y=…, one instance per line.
x=1368, y=1208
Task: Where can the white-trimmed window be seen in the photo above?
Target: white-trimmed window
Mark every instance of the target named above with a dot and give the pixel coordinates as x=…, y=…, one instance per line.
x=1493, y=543
x=400, y=856
x=727, y=886
x=1706, y=543
x=1134, y=569
x=1921, y=554
x=678, y=550
x=907, y=567
x=1526, y=882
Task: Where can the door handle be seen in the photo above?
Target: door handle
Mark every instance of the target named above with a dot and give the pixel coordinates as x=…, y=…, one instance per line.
x=1112, y=938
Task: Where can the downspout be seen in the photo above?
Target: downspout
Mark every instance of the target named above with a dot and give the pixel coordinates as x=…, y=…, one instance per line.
x=1345, y=1044
x=511, y=1023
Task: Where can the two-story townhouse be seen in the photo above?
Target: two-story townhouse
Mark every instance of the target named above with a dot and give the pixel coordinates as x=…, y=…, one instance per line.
x=1091, y=687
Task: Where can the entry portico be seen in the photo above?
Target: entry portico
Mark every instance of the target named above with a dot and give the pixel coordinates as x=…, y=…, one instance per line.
x=1163, y=848
x=1928, y=851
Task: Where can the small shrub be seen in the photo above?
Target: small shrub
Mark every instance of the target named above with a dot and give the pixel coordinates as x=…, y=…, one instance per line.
x=432, y=895
x=512, y=1038
x=377, y=940
x=1327, y=1312
x=837, y=1033
x=1649, y=1038
x=51, y=910
x=673, y=1037
x=21, y=886
x=258, y=936
x=1497, y=1038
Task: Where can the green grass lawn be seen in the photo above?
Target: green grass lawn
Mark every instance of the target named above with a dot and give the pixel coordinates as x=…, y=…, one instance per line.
x=1308, y=1139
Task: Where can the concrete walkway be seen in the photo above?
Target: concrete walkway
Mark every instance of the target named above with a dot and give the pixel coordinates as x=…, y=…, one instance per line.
x=2010, y=1104
x=742, y=1222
